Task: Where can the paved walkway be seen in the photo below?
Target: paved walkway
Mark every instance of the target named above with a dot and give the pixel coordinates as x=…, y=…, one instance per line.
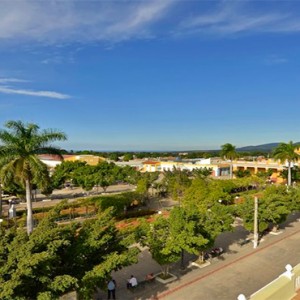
x=239, y=270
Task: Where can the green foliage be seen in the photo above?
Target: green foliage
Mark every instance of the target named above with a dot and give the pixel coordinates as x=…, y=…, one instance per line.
x=199, y=154
x=128, y=157
x=57, y=259
x=142, y=187
x=293, y=199
x=103, y=174
x=264, y=174
x=113, y=156
x=295, y=174
x=155, y=236
x=116, y=201
x=186, y=231
x=176, y=182
x=228, y=151
x=274, y=205
x=242, y=173
x=203, y=193
x=202, y=172
x=64, y=172
x=285, y=152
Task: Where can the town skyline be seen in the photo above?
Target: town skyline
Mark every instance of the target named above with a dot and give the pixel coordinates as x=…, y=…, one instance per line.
x=152, y=75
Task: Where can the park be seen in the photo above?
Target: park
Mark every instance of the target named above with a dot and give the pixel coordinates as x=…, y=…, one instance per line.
x=175, y=219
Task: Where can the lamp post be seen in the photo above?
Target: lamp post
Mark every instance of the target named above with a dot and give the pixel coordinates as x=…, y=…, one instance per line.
x=255, y=240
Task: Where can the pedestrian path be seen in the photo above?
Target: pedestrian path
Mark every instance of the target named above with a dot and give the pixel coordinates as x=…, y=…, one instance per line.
x=239, y=270
x=147, y=265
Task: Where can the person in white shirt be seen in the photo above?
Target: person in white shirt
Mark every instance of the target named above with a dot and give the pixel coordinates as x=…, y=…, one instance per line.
x=132, y=282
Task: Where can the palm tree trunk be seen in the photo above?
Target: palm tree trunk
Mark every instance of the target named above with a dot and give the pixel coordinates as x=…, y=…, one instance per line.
x=0, y=201
x=231, y=170
x=29, y=207
x=289, y=174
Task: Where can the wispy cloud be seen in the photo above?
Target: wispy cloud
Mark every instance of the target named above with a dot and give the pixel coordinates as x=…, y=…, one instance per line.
x=11, y=80
x=233, y=17
x=48, y=94
x=61, y=22
x=275, y=60
x=56, y=21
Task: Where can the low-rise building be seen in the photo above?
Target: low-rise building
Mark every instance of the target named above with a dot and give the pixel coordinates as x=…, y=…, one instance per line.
x=92, y=160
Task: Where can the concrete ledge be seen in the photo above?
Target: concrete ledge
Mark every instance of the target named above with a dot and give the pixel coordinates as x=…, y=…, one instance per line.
x=275, y=232
x=171, y=278
x=200, y=265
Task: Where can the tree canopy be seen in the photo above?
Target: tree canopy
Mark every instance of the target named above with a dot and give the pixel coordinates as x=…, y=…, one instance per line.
x=57, y=259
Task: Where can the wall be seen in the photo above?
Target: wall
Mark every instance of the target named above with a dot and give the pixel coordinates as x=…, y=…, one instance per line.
x=283, y=287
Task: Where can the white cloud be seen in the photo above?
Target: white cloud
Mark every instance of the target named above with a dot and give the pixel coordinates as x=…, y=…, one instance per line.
x=61, y=22
x=275, y=60
x=233, y=17
x=48, y=94
x=11, y=80
x=54, y=21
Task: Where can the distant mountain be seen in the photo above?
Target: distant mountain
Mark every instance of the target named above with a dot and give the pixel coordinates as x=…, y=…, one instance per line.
x=263, y=148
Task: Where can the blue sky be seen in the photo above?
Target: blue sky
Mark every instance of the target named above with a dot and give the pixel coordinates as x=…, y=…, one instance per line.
x=153, y=75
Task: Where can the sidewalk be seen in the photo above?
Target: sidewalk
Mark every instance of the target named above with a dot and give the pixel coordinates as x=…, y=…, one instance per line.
x=239, y=270
x=147, y=265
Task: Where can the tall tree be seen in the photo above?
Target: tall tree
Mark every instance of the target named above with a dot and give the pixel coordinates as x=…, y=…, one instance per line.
x=18, y=156
x=285, y=152
x=155, y=236
x=57, y=259
x=228, y=152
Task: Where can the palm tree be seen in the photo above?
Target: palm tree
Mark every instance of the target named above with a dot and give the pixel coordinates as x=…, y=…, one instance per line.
x=0, y=200
x=18, y=157
x=228, y=152
x=286, y=153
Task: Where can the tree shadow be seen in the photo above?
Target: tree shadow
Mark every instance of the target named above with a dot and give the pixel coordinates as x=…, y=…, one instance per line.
x=291, y=218
x=229, y=238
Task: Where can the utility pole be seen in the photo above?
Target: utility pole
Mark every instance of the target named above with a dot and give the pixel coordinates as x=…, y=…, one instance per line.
x=255, y=240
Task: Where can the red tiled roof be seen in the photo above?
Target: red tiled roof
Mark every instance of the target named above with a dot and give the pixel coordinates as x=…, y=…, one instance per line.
x=49, y=157
x=68, y=155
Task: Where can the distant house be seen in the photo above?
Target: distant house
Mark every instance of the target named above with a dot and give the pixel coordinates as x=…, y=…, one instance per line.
x=50, y=160
x=151, y=166
x=262, y=165
x=92, y=160
x=135, y=163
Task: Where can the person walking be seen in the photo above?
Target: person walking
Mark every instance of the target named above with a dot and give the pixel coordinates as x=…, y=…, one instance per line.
x=111, y=289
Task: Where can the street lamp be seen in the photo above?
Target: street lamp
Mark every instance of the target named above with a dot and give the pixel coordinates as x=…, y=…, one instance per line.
x=255, y=239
